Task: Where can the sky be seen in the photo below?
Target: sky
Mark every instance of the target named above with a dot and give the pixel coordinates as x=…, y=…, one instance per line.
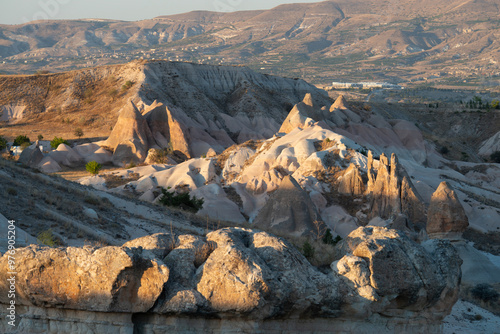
x=21, y=11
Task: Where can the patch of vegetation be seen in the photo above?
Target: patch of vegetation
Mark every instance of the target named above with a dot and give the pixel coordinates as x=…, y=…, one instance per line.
x=329, y=240
x=20, y=140
x=308, y=250
x=47, y=238
x=114, y=181
x=58, y=141
x=485, y=292
x=78, y=132
x=161, y=156
x=495, y=157
x=93, y=167
x=3, y=143
x=444, y=150
x=12, y=191
x=40, y=137
x=127, y=85
x=113, y=93
x=324, y=144
x=183, y=201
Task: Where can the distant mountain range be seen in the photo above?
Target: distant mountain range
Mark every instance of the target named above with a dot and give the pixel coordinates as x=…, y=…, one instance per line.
x=451, y=42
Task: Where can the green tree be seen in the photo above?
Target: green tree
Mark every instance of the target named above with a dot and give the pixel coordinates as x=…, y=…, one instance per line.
x=127, y=85
x=93, y=167
x=20, y=140
x=495, y=157
x=40, y=137
x=47, y=238
x=308, y=250
x=3, y=143
x=78, y=132
x=113, y=93
x=57, y=141
x=184, y=201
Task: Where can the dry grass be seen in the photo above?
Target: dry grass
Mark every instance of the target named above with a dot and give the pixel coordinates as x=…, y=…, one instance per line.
x=114, y=181
x=324, y=144
x=94, y=109
x=202, y=253
x=489, y=298
x=76, y=173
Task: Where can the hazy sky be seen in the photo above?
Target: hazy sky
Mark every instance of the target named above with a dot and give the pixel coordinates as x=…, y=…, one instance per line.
x=20, y=11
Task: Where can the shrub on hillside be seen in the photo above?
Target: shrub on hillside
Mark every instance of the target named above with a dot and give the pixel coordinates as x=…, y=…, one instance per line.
x=183, y=201
x=308, y=250
x=20, y=140
x=93, y=167
x=495, y=157
x=58, y=141
x=78, y=132
x=47, y=238
x=444, y=150
x=3, y=143
x=485, y=292
x=160, y=156
x=127, y=85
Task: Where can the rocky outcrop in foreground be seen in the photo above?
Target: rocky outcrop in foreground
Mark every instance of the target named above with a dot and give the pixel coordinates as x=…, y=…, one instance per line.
x=236, y=279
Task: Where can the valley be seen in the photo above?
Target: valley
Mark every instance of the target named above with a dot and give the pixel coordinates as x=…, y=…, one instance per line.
x=445, y=44
x=311, y=168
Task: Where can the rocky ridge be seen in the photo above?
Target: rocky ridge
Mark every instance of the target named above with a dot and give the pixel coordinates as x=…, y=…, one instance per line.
x=330, y=152
x=240, y=273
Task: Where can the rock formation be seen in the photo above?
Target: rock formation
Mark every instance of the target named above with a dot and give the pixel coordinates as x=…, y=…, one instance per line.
x=178, y=135
x=393, y=193
x=31, y=156
x=302, y=115
x=157, y=119
x=109, y=279
x=446, y=218
x=339, y=104
x=289, y=210
x=351, y=183
x=65, y=155
x=131, y=137
x=235, y=276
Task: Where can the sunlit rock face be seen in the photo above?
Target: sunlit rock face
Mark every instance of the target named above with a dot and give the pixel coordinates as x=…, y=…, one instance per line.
x=234, y=278
x=446, y=216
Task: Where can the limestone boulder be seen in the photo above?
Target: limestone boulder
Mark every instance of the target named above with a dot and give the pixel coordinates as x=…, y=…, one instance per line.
x=159, y=244
x=241, y=273
x=109, y=279
x=419, y=276
x=289, y=210
x=189, y=252
x=31, y=156
x=255, y=273
x=446, y=218
x=49, y=165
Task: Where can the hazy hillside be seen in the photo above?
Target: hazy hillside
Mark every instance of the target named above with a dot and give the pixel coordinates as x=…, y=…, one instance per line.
x=242, y=103
x=445, y=41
